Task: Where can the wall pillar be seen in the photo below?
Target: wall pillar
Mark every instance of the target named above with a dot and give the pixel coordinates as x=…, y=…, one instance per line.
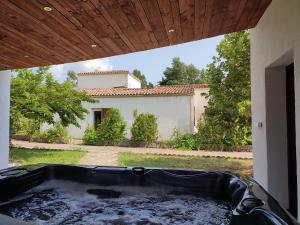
x=4, y=117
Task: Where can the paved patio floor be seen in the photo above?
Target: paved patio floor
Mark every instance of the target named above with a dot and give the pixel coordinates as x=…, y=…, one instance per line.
x=108, y=155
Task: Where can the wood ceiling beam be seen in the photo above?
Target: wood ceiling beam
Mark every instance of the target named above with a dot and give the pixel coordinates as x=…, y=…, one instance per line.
x=80, y=24
x=231, y=19
x=152, y=12
x=30, y=25
x=100, y=7
x=79, y=30
x=132, y=15
x=240, y=11
x=6, y=60
x=76, y=30
x=219, y=13
x=141, y=12
x=176, y=19
x=263, y=5
x=246, y=14
x=167, y=15
x=10, y=50
x=207, y=18
x=55, y=23
x=187, y=19
x=139, y=35
x=25, y=42
x=9, y=44
x=199, y=17
x=112, y=38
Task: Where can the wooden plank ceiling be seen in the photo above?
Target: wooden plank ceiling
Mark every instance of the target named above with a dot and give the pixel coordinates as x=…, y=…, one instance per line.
x=47, y=32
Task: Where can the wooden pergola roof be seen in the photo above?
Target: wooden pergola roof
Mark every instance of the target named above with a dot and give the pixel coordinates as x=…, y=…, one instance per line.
x=46, y=32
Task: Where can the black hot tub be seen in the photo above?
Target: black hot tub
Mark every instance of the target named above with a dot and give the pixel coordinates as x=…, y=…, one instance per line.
x=60, y=194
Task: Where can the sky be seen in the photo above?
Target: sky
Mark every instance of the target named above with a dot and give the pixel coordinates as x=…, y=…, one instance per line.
x=151, y=63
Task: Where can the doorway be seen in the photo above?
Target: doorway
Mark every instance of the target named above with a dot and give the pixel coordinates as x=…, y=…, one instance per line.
x=291, y=140
x=99, y=115
x=97, y=118
x=276, y=134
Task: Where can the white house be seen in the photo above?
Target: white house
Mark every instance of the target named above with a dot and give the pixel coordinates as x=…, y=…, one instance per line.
x=175, y=106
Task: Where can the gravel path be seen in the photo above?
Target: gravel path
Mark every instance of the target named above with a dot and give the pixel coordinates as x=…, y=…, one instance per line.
x=107, y=155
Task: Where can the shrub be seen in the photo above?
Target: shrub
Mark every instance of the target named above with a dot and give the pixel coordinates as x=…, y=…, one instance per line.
x=144, y=129
x=90, y=136
x=212, y=140
x=112, y=129
x=27, y=129
x=166, y=144
x=56, y=134
x=186, y=141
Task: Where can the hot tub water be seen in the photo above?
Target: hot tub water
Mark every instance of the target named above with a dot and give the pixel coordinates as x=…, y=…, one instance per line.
x=64, y=202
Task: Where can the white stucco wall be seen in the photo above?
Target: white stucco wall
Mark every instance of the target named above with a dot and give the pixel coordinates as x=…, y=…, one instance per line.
x=275, y=43
x=171, y=111
x=4, y=115
x=108, y=81
x=102, y=81
x=199, y=103
x=133, y=82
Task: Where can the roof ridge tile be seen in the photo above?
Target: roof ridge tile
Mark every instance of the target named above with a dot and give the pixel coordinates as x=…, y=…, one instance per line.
x=157, y=90
x=103, y=72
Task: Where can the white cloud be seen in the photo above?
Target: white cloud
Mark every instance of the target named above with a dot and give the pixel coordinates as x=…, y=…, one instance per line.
x=60, y=71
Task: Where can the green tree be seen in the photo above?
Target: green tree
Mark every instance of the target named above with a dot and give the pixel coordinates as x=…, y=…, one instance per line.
x=36, y=96
x=143, y=79
x=227, y=118
x=56, y=134
x=150, y=85
x=72, y=77
x=180, y=73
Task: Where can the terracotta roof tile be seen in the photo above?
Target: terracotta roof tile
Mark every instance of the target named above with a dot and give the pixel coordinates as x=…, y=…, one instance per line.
x=158, y=90
x=109, y=72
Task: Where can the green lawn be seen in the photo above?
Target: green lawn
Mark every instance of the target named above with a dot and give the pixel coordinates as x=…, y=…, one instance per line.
x=242, y=167
x=34, y=156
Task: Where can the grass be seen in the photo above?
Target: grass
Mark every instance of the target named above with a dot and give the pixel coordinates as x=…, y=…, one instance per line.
x=242, y=167
x=35, y=156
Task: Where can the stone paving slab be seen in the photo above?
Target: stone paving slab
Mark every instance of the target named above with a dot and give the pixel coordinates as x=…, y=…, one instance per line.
x=107, y=155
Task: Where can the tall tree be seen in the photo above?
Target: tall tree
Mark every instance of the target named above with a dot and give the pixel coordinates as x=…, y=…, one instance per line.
x=180, y=73
x=37, y=96
x=150, y=85
x=194, y=75
x=142, y=77
x=227, y=118
x=72, y=77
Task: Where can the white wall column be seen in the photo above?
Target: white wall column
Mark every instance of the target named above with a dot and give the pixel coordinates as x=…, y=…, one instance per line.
x=4, y=117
